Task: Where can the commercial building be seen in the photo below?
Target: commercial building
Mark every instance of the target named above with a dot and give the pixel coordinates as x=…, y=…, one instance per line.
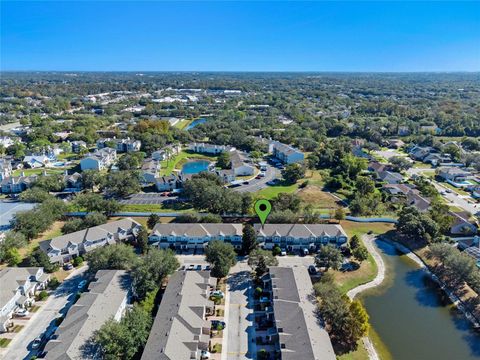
x=181, y=329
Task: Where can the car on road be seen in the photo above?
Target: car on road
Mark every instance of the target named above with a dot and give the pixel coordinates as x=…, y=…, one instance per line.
x=448, y=191
x=258, y=177
x=312, y=270
x=191, y=267
x=283, y=252
x=37, y=342
x=68, y=266
x=22, y=312
x=207, y=268
x=305, y=252
x=262, y=174
x=246, y=183
x=164, y=193
x=198, y=267
x=82, y=284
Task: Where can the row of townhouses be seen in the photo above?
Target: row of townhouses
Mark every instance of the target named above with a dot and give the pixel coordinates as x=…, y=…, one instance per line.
x=181, y=329
x=107, y=298
x=287, y=236
x=18, y=286
x=63, y=249
x=287, y=318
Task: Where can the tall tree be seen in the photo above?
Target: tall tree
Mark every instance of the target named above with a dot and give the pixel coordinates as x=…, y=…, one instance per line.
x=222, y=256
x=249, y=239
x=329, y=257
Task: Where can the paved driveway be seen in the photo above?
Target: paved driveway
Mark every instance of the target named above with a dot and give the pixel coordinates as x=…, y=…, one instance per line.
x=57, y=303
x=239, y=314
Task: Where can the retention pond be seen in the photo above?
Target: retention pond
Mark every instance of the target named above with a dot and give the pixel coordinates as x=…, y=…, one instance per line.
x=413, y=317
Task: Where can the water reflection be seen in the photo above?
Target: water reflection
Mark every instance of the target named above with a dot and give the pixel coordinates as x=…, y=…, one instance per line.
x=414, y=318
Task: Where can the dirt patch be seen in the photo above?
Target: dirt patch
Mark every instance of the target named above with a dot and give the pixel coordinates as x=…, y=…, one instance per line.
x=318, y=198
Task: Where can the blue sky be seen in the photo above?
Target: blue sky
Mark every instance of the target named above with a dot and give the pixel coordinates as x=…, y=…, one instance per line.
x=240, y=36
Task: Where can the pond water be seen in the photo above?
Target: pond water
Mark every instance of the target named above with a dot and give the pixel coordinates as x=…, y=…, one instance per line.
x=195, y=123
x=194, y=167
x=412, y=316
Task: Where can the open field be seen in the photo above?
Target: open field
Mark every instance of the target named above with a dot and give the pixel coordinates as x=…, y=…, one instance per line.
x=319, y=199
x=182, y=124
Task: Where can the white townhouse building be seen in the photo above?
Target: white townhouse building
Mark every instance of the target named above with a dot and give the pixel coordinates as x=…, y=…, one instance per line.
x=5, y=168
x=63, y=249
x=99, y=160
x=287, y=154
x=300, y=236
x=195, y=236
x=239, y=165
x=205, y=148
x=167, y=152
x=18, y=288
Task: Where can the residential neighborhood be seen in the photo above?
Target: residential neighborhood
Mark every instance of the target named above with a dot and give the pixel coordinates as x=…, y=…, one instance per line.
x=131, y=228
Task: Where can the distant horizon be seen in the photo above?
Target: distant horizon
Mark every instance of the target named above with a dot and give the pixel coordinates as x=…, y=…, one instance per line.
x=330, y=36
x=248, y=71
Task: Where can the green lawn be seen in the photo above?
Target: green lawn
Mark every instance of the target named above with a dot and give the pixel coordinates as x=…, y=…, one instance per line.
x=182, y=124
x=177, y=161
x=39, y=171
x=272, y=191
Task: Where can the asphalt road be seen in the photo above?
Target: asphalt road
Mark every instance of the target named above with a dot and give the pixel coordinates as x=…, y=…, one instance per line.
x=258, y=184
x=239, y=314
x=457, y=200
x=57, y=303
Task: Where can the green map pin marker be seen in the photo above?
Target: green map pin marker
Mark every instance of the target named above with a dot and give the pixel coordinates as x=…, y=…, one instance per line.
x=263, y=208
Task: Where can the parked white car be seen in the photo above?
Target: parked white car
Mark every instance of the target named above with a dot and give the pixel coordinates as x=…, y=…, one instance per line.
x=22, y=312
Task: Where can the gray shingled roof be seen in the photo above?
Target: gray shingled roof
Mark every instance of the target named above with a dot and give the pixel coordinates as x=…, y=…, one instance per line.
x=299, y=230
x=101, y=303
x=197, y=230
x=11, y=278
x=93, y=233
x=177, y=329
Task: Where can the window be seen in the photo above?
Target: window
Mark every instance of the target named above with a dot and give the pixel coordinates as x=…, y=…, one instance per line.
x=283, y=346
